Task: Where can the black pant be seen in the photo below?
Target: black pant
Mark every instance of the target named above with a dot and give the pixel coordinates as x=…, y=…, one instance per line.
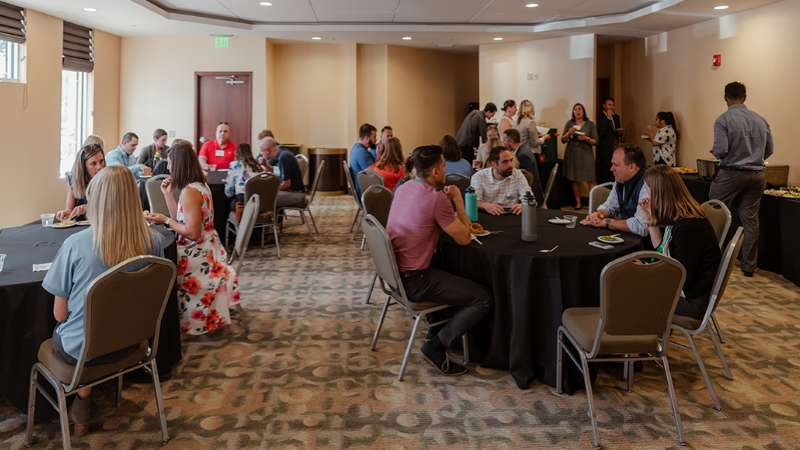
x=741, y=191
x=437, y=286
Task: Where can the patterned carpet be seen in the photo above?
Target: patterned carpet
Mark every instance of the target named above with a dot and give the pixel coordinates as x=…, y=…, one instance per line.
x=295, y=371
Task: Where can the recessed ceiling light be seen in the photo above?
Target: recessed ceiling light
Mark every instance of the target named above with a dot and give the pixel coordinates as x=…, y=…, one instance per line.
x=265, y=3
x=498, y=38
x=721, y=7
x=316, y=38
x=406, y=38
x=531, y=5
x=90, y=9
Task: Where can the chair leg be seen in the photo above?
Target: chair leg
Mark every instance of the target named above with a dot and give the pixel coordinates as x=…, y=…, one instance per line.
x=559, y=360
x=363, y=241
x=723, y=360
x=380, y=322
x=118, y=397
x=704, y=372
x=308, y=223
x=355, y=220
x=277, y=242
x=31, y=406
x=589, y=397
x=673, y=402
x=63, y=417
x=629, y=373
x=408, y=347
x=313, y=222
x=371, y=288
x=717, y=328
x=263, y=230
x=159, y=401
x=465, y=344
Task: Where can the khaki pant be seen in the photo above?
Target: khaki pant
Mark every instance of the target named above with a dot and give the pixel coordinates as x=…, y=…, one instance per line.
x=741, y=191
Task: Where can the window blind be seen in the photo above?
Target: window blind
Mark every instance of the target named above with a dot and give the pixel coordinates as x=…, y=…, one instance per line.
x=12, y=23
x=78, y=52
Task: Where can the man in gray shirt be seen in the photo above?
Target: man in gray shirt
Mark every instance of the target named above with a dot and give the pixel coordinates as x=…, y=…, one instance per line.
x=472, y=129
x=742, y=141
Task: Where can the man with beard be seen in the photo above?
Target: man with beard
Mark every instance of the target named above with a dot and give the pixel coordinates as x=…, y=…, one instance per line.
x=419, y=214
x=500, y=186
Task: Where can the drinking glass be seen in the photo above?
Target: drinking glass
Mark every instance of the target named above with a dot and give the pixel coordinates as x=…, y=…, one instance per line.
x=573, y=220
x=47, y=219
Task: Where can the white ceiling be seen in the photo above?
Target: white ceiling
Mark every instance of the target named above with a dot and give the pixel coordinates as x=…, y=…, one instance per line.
x=456, y=24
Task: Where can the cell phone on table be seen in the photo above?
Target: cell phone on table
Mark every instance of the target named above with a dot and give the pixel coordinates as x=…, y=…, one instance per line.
x=601, y=245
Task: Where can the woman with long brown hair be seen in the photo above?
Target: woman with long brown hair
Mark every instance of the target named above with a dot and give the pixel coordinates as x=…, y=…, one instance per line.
x=207, y=285
x=390, y=165
x=678, y=227
x=88, y=162
x=240, y=170
x=117, y=232
x=507, y=120
x=580, y=135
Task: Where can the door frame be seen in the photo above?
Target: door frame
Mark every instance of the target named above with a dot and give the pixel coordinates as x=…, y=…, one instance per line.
x=197, y=76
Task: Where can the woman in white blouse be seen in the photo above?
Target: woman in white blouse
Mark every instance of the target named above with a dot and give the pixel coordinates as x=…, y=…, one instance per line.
x=507, y=121
x=664, y=136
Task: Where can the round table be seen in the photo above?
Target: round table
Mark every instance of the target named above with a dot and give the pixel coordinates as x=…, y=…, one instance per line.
x=333, y=181
x=531, y=290
x=26, y=309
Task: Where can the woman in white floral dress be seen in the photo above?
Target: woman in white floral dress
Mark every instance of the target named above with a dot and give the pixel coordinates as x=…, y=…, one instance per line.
x=207, y=285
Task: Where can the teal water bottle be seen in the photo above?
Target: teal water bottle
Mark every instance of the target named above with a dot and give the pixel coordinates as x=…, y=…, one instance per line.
x=471, y=204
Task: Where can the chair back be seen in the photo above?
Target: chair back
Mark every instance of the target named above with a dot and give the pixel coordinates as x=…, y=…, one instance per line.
x=528, y=176
x=124, y=307
x=724, y=272
x=377, y=200
x=380, y=247
x=598, y=195
x=154, y=195
x=267, y=186
x=245, y=231
x=550, y=181
x=302, y=161
x=367, y=178
x=317, y=176
x=720, y=218
x=638, y=295
x=458, y=180
x=350, y=185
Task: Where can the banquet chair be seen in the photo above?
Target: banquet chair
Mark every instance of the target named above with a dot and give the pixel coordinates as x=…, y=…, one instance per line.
x=305, y=208
x=267, y=186
x=598, y=195
x=624, y=328
x=352, y=188
x=367, y=178
x=550, y=181
x=377, y=200
x=720, y=218
x=458, y=180
x=380, y=247
x=528, y=176
x=302, y=161
x=154, y=195
x=124, y=308
x=244, y=232
x=692, y=327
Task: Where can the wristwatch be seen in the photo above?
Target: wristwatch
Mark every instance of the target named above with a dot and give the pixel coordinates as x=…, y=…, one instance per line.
x=608, y=221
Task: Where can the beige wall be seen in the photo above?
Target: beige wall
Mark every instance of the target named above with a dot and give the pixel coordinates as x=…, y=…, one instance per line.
x=673, y=72
x=563, y=72
x=427, y=93
x=373, y=84
x=105, y=82
x=157, y=85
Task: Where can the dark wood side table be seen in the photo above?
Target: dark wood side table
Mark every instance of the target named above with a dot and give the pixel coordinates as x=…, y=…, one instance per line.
x=333, y=181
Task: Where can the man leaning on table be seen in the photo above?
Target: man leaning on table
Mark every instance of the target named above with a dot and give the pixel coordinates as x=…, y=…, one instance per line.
x=122, y=155
x=419, y=214
x=621, y=211
x=500, y=186
x=742, y=141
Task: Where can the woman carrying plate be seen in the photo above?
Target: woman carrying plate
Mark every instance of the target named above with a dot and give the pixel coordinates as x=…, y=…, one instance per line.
x=88, y=162
x=580, y=135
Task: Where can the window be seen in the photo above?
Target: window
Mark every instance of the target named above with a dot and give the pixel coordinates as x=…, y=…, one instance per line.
x=12, y=42
x=10, y=61
x=74, y=116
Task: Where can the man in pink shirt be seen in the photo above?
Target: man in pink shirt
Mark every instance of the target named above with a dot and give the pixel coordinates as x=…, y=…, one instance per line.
x=221, y=151
x=418, y=215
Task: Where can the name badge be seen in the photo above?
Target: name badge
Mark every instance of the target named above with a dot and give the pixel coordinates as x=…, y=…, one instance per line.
x=220, y=153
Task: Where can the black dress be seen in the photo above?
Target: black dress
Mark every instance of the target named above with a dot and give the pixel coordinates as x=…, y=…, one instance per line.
x=606, y=143
x=694, y=244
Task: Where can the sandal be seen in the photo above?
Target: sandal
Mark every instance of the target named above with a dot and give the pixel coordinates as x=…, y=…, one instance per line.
x=80, y=413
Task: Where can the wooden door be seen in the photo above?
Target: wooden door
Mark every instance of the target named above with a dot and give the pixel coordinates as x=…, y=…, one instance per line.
x=223, y=97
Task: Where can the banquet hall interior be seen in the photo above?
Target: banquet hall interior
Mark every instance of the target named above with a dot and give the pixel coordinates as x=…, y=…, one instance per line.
x=399, y=224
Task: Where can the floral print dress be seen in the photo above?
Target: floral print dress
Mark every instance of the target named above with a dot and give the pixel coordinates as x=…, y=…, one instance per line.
x=664, y=144
x=207, y=285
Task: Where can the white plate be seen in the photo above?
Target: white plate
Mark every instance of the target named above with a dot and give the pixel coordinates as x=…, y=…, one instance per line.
x=485, y=233
x=610, y=240
x=557, y=221
x=67, y=224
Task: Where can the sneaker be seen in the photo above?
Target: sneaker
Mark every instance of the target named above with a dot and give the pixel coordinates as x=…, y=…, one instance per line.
x=747, y=273
x=434, y=353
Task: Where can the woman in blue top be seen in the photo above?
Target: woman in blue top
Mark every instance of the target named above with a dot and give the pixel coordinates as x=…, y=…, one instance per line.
x=453, y=161
x=239, y=172
x=118, y=231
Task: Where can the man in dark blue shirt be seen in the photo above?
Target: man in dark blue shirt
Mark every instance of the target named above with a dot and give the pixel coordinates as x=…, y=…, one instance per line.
x=292, y=190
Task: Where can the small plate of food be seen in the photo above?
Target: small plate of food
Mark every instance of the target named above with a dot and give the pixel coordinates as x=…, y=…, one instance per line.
x=477, y=230
x=64, y=224
x=559, y=221
x=611, y=239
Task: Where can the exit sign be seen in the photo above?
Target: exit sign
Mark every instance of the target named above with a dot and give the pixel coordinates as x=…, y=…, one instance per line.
x=222, y=41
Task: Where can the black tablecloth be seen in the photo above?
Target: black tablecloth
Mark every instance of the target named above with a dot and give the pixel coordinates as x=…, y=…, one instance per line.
x=778, y=247
x=222, y=204
x=26, y=309
x=531, y=290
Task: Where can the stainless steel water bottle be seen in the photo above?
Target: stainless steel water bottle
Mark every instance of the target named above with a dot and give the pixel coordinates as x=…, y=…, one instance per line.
x=529, y=226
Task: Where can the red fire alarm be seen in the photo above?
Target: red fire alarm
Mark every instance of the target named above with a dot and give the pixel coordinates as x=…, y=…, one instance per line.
x=716, y=60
